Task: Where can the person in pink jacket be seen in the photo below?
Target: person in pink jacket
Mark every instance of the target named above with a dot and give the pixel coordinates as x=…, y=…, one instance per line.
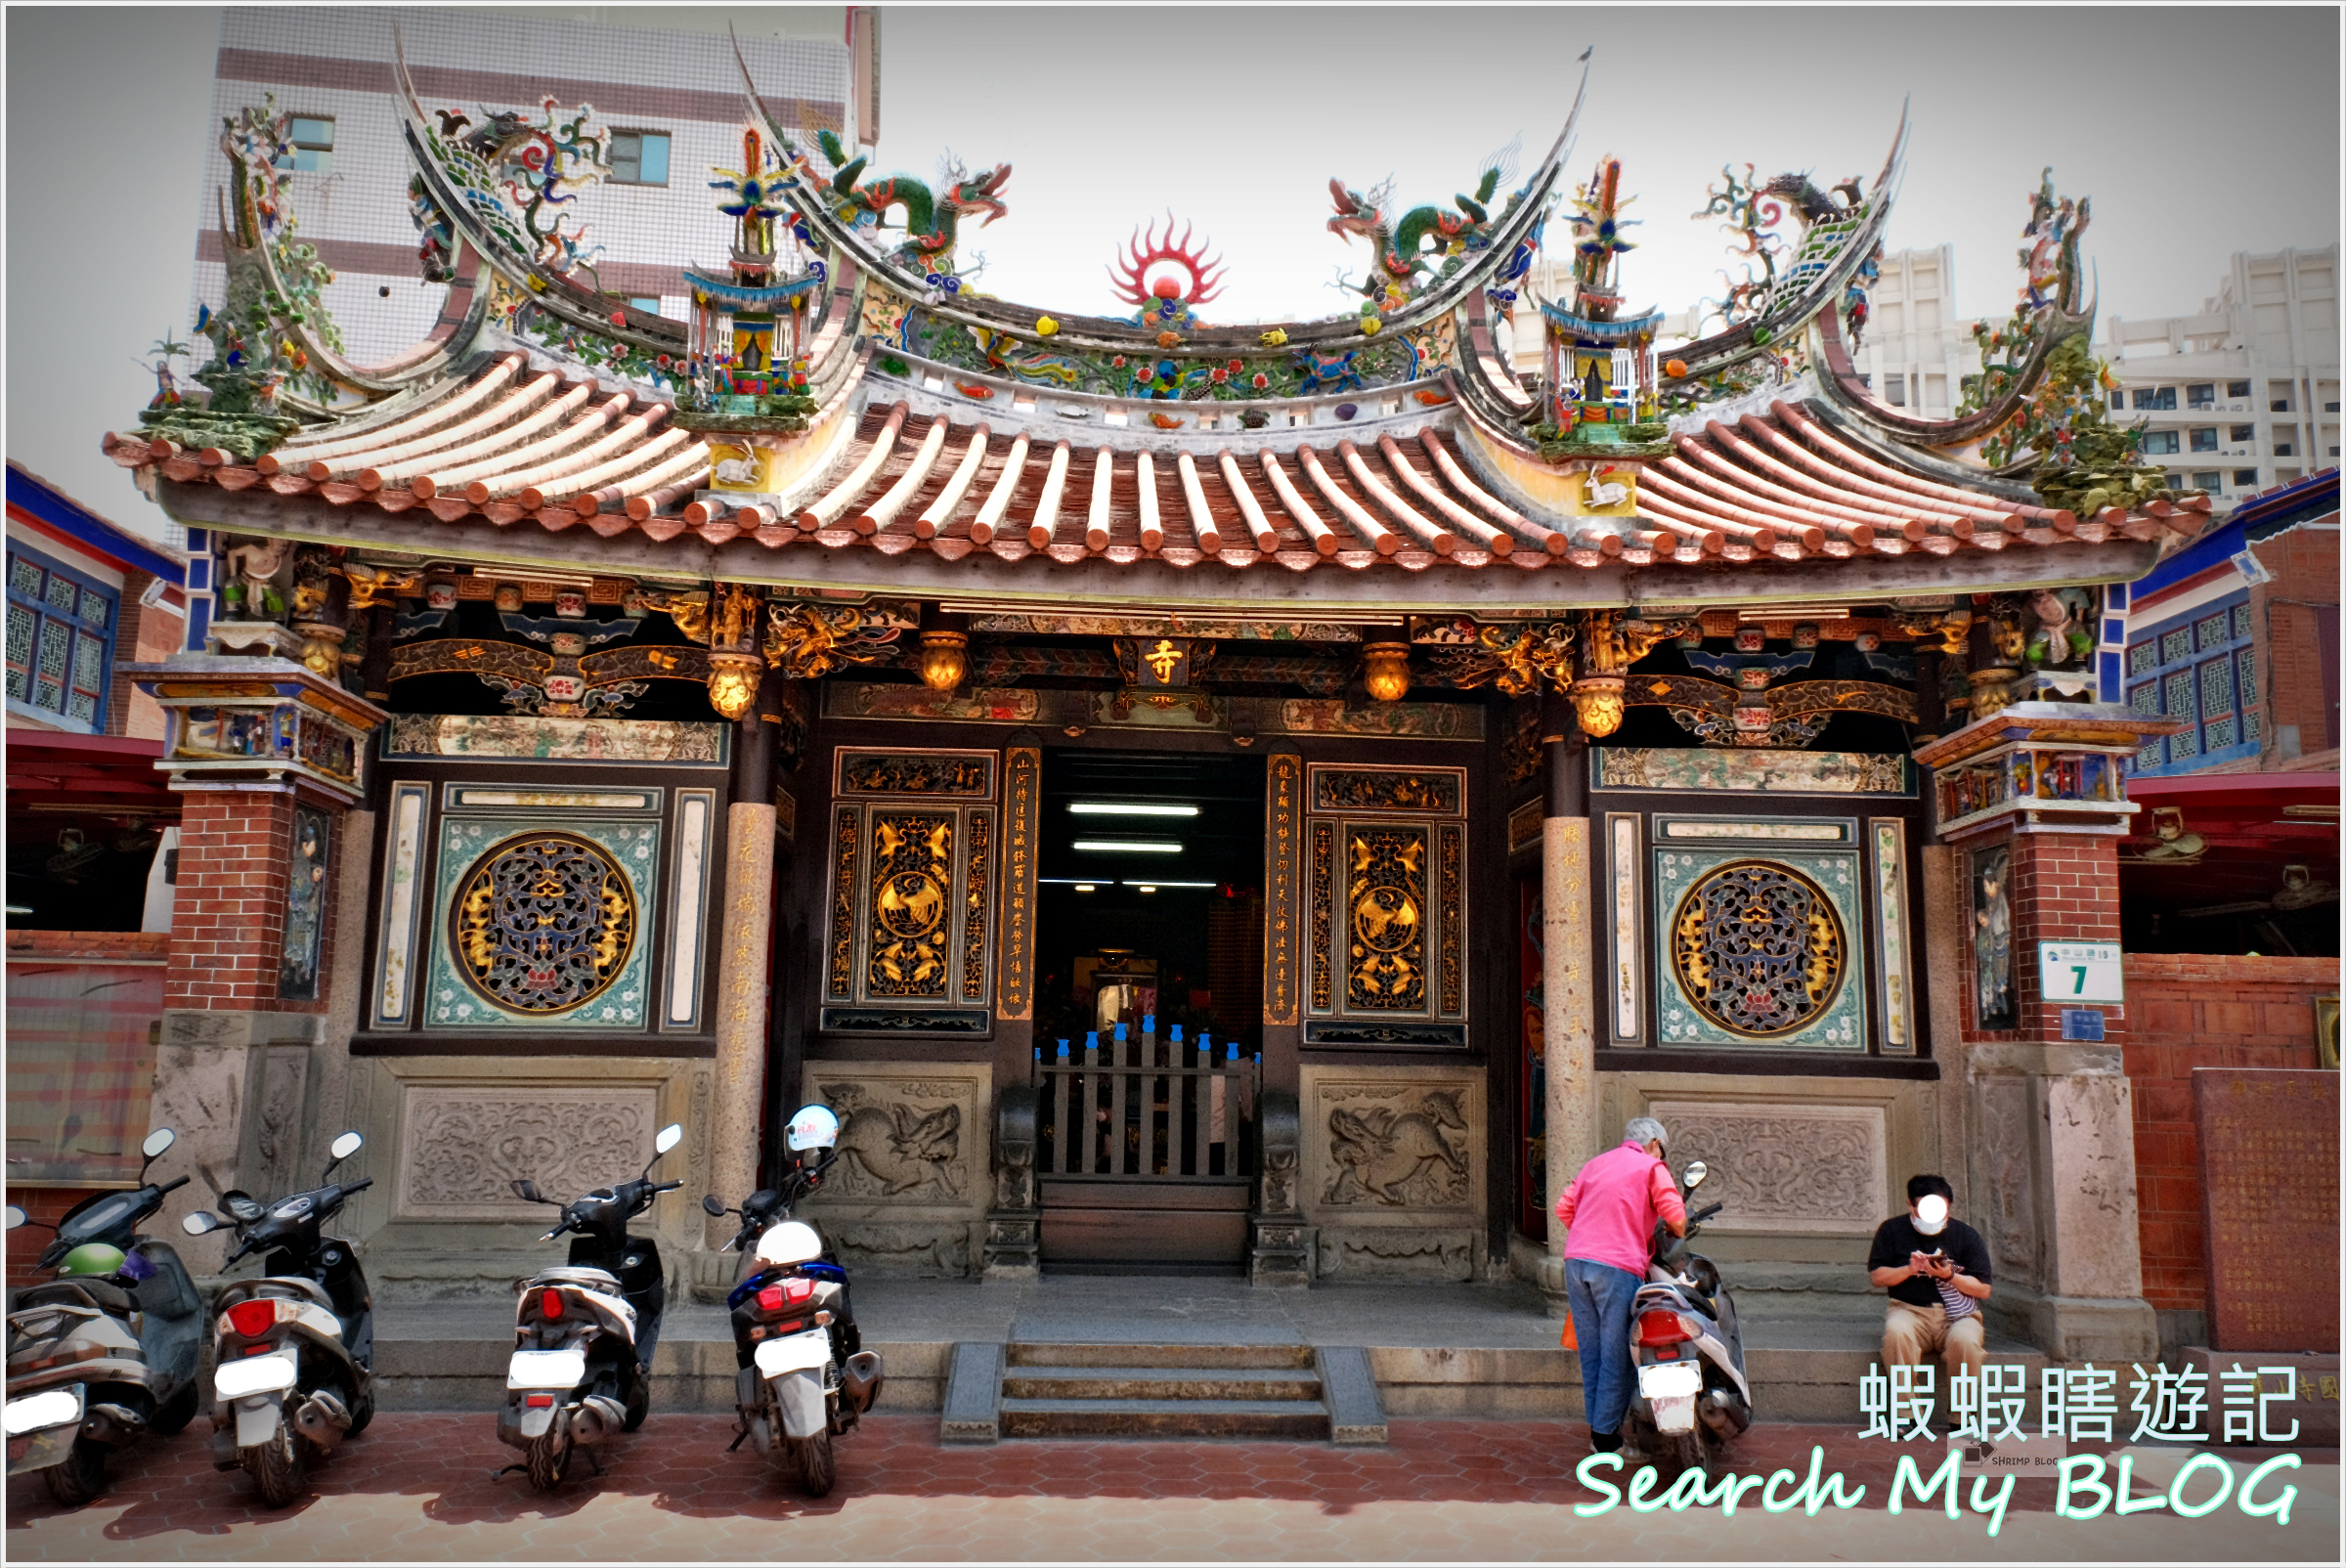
x=1609, y=1212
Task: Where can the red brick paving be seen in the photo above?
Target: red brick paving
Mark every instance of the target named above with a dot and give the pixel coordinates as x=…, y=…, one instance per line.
x=419, y=1486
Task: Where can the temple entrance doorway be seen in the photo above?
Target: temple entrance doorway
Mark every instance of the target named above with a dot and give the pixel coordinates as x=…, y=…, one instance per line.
x=1148, y=958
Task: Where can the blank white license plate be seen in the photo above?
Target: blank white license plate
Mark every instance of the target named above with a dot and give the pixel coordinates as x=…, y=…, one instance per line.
x=1669, y=1379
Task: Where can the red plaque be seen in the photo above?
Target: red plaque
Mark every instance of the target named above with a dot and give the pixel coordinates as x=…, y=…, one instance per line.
x=2269, y=1205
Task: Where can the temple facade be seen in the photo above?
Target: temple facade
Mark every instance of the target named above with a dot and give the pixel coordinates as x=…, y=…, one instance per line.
x=1269, y=798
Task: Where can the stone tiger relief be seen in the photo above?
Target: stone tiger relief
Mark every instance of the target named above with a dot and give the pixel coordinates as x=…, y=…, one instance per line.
x=1398, y=1157
x=895, y=1148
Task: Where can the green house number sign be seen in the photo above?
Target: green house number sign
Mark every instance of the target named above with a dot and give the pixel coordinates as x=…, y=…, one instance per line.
x=2081, y=971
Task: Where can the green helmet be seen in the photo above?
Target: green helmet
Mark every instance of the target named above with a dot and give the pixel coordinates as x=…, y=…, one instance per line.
x=91, y=1258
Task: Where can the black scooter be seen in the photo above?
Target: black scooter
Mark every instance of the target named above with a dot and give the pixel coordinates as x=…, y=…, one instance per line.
x=293, y=1352
x=105, y=1353
x=803, y=1374
x=583, y=1333
x=1690, y=1397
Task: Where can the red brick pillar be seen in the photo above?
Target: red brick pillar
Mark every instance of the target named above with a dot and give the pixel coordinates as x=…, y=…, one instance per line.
x=2031, y=800
x=267, y=757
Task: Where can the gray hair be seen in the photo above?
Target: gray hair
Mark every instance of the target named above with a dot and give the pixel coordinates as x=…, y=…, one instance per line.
x=1643, y=1130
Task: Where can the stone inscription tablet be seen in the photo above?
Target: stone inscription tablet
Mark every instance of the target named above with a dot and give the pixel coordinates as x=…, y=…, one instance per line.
x=2269, y=1205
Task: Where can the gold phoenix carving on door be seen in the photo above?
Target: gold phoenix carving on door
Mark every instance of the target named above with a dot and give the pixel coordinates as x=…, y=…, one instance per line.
x=1385, y=899
x=912, y=869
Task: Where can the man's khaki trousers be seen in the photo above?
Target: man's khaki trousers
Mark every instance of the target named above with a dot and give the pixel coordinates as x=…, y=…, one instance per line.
x=1910, y=1333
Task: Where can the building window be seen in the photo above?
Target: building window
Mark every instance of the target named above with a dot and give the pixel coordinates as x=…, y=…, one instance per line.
x=2201, y=394
x=2144, y=699
x=639, y=157
x=2215, y=690
x=2160, y=443
x=2330, y=408
x=61, y=640
x=2243, y=432
x=2175, y=647
x=2243, y=478
x=309, y=145
x=2219, y=732
x=649, y=304
x=2236, y=389
x=2214, y=631
x=2205, y=438
x=1894, y=391
x=2282, y=449
x=2207, y=479
x=2280, y=405
x=2155, y=397
x=2142, y=658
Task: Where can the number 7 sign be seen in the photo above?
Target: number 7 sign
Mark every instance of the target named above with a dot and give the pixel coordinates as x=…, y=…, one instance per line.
x=2081, y=971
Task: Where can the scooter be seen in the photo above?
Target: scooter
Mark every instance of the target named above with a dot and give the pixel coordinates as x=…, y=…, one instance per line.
x=1691, y=1396
x=106, y=1352
x=583, y=1333
x=294, y=1351
x=803, y=1374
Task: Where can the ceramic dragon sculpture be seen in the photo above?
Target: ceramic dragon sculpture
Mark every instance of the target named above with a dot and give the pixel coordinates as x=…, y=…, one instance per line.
x=931, y=222
x=1426, y=237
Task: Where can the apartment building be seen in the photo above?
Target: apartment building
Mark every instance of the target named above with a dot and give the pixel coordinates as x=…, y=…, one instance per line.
x=671, y=100
x=2245, y=395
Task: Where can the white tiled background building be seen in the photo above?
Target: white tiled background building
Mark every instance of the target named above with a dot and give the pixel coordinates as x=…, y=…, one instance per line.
x=332, y=67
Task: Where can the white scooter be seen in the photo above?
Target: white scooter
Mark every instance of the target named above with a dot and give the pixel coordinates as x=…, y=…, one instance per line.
x=1691, y=1397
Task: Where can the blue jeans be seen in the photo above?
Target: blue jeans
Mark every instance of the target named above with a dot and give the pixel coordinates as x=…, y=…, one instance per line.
x=1600, y=1297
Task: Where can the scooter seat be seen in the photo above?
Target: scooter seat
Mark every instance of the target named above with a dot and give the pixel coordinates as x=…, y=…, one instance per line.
x=98, y=1293
x=602, y=1280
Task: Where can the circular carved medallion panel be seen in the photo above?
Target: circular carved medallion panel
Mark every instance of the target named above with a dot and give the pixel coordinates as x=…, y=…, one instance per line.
x=1758, y=948
x=544, y=923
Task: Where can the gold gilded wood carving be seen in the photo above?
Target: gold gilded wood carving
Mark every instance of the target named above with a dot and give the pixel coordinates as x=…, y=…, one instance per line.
x=1453, y=922
x=945, y=774
x=1362, y=789
x=1280, y=993
x=979, y=880
x=1024, y=775
x=842, y=904
x=1385, y=916
x=1323, y=896
x=1759, y=948
x=912, y=871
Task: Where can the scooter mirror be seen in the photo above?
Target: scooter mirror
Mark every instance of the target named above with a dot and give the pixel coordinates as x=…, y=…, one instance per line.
x=526, y=1189
x=240, y=1206
x=346, y=1146
x=713, y=1206
x=813, y=1127
x=201, y=1223
x=1696, y=1174
x=670, y=1136
x=157, y=1141
x=16, y=1216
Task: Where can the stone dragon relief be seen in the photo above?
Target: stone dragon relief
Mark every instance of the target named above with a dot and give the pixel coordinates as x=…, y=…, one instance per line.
x=461, y=1148
x=1409, y=1150
x=899, y=1140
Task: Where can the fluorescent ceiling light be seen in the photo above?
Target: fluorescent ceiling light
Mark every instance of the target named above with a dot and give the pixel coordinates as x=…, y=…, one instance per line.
x=1128, y=809
x=1129, y=845
x=1084, y=887
x=1143, y=887
x=1160, y=883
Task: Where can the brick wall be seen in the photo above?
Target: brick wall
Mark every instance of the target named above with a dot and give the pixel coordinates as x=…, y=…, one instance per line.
x=2187, y=1011
x=2064, y=888
x=2304, y=563
x=104, y=946
x=228, y=926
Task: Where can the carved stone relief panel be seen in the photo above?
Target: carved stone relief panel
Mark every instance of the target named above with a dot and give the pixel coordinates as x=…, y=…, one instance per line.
x=912, y=1184
x=1396, y=1253
x=1785, y=1168
x=1391, y=1145
x=277, y=1120
x=461, y=1148
x=2003, y=1175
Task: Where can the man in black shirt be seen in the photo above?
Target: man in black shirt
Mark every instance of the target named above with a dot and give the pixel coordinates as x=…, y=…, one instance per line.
x=1936, y=1272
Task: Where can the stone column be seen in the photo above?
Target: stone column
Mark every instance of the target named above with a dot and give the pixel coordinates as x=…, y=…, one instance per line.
x=2031, y=803
x=354, y=884
x=1567, y=946
x=736, y=1119
x=268, y=923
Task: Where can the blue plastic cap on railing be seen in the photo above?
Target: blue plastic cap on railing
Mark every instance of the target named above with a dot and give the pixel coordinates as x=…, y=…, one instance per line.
x=1119, y=1035
x=1091, y=1039
x=1062, y=1050
x=1234, y=1050
x=1176, y=1034
x=1148, y=1023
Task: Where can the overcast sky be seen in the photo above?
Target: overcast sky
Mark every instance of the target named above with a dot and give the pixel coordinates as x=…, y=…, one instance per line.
x=2197, y=131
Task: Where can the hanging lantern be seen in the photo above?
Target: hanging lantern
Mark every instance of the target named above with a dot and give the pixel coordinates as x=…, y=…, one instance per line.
x=1599, y=702
x=734, y=681
x=1385, y=670
x=943, y=660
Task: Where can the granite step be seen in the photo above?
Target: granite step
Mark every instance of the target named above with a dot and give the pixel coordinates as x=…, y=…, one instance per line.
x=1292, y=1419
x=1208, y=1357
x=1160, y=1383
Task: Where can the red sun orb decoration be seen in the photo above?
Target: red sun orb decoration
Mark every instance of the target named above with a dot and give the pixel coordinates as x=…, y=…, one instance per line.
x=1199, y=276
